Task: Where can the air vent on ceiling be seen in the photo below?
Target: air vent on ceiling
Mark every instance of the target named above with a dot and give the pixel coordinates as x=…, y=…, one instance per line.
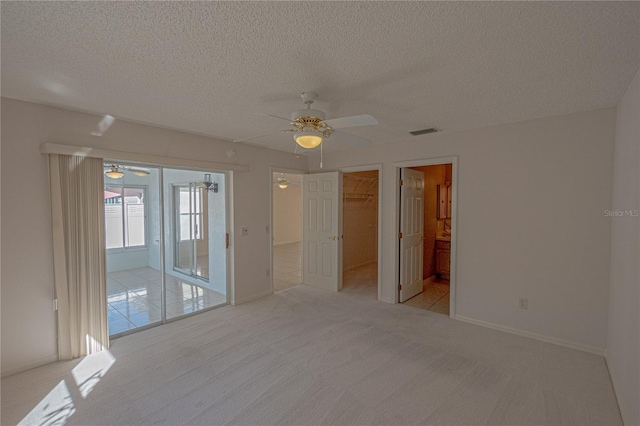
x=424, y=131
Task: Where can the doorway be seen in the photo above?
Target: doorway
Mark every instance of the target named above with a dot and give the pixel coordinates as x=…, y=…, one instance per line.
x=324, y=196
x=166, y=244
x=286, y=230
x=360, y=229
x=425, y=264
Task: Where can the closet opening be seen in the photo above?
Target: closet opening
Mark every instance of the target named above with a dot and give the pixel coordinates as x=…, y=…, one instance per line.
x=360, y=232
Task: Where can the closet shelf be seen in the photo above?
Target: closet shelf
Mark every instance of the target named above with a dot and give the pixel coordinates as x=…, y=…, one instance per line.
x=351, y=196
x=361, y=185
x=360, y=189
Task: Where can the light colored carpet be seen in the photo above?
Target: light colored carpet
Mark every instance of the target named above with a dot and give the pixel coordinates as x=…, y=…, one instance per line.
x=306, y=356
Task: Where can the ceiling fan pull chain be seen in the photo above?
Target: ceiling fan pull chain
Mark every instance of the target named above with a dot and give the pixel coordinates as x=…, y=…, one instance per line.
x=320, y=155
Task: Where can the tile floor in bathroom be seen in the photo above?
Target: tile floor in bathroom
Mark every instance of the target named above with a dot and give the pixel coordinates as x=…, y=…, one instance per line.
x=434, y=297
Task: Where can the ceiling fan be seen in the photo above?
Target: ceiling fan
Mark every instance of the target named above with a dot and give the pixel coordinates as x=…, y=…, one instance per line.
x=283, y=182
x=310, y=128
x=116, y=171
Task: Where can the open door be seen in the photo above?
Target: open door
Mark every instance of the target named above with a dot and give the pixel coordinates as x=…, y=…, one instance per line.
x=322, y=230
x=411, y=232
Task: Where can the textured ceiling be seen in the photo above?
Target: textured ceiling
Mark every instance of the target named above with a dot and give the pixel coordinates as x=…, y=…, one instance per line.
x=207, y=67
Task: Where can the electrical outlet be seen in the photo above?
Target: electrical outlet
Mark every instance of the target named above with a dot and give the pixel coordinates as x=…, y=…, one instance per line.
x=267, y=271
x=245, y=231
x=523, y=303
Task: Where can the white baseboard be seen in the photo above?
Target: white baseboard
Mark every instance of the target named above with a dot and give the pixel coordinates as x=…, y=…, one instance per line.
x=613, y=385
x=429, y=280
x=251, y=298
x=536, y=336
x=286, y=242
x=29, y=366
x=387, y=300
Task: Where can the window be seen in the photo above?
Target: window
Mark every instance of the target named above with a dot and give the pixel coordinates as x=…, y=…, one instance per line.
x=124, y=212
x=189, y=202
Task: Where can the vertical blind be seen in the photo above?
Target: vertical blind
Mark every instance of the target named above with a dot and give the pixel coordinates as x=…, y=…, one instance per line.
x=77, y=204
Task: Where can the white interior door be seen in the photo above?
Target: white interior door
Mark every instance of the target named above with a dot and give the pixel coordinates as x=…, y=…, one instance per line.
x=322, y=230
x=411, y=232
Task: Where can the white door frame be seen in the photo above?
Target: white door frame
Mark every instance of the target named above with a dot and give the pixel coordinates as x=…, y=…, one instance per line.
x=273, y=170
x=366, y=168
x=454, y=220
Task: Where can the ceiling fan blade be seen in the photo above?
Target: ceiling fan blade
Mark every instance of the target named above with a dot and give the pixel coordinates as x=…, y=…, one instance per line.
x=274, y=116
x=256, y=137
x=353, y=121
x=349, y=139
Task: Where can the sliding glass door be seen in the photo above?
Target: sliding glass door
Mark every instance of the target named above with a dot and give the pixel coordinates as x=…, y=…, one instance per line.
x=132, y=235
x=190, y=238
x=166, y=233
x=195, y=231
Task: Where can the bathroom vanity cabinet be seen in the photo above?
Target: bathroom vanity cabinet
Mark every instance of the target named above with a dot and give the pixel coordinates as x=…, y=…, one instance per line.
x=443, y=257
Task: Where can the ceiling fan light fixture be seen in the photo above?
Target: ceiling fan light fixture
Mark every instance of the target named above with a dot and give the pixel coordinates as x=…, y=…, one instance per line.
x=308, y=138
x=114, y=173
x=283, y=182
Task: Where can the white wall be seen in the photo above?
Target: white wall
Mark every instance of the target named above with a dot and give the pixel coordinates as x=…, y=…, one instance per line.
x=28, y=321
x=153, y=217
x=623, y=340
x=216, y=227
x=531, y=197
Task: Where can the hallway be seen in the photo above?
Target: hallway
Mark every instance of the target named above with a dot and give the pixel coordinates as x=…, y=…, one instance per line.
x=287, y=265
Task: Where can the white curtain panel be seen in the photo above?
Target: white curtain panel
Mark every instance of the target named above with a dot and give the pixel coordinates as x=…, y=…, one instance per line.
x=77, y=204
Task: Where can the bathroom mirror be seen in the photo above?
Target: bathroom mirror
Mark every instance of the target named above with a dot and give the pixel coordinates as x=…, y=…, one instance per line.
x=444, y=201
